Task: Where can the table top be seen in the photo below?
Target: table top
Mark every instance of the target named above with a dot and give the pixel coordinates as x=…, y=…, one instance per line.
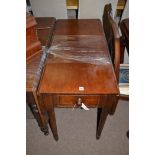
x=44, y=22
x=78, y=27
x=31, y=71
x=45, y=28
x=79, y=61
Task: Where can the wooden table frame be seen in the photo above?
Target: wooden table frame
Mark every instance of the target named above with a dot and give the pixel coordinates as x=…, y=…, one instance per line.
x=44, y=29
x=107, y=106
x=53, y=89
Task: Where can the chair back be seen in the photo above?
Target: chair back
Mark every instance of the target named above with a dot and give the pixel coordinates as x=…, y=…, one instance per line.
x=113, y=38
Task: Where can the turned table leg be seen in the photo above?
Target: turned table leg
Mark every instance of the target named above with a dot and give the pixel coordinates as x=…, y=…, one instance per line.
x=45, y=130
x=49, y=106
x=101, y=118
x=37, y=111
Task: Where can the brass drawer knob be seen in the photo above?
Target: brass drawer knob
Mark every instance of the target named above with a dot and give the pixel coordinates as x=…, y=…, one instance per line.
x=79, y=102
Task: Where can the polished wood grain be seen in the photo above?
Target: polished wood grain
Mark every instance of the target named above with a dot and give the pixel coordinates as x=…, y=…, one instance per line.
x=102, y=116
x=113, y=38
x=45, y=28
x=31, y=70
x=31, y=93
x=124, y=26
x=78, y=27
x=79, y=57
x=47, y=100
x=38, y=111
x=33, y=46
x=66, y=71
x=35, y=65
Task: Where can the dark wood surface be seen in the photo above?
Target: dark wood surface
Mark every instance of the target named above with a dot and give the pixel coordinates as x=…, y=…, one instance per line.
x=45, y=28
x=124, y=26
x=31, y=71
x=112, y=37
x=32, y=99
x=33, y=45
x=66, y=71
x=79, y=57
x=78, y=27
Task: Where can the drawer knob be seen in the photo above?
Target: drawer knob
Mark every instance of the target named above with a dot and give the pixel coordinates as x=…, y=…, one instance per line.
x=79, y=102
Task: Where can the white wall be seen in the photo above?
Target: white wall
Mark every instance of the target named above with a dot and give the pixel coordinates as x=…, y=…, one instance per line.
x=49, y=8
x=57, y=8
x=126, y=11
x=94, y=8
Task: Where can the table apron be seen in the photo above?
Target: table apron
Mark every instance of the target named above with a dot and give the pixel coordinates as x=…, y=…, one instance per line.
x=91, y=101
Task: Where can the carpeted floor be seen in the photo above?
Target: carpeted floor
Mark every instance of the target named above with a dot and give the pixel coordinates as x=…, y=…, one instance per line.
x=77, y=133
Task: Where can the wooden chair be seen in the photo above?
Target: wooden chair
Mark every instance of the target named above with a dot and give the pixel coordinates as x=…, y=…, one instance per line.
x=113, y=39
x=124, y=27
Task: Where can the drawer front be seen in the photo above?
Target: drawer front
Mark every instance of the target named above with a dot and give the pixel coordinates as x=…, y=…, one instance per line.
x=70, y=101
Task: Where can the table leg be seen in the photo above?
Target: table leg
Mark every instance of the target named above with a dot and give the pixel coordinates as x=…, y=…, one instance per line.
x=49, y=106
x=52, y=122
x=37, y=111
x=99, y=110
x=101, y=118
x=45, y=130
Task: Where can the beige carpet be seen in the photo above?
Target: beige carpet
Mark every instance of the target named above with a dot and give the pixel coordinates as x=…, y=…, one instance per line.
x=77, y=130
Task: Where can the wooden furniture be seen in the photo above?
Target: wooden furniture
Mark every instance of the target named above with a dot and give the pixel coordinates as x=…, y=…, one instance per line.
x=72, y=9
x=112, y=37
x=72, y=4
x=45, y=27
x=33, y=45
x=79, y=70
x=34, y=67
x=121, y=4
x=119, y=10
x=124, y=26
x=32, y=80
